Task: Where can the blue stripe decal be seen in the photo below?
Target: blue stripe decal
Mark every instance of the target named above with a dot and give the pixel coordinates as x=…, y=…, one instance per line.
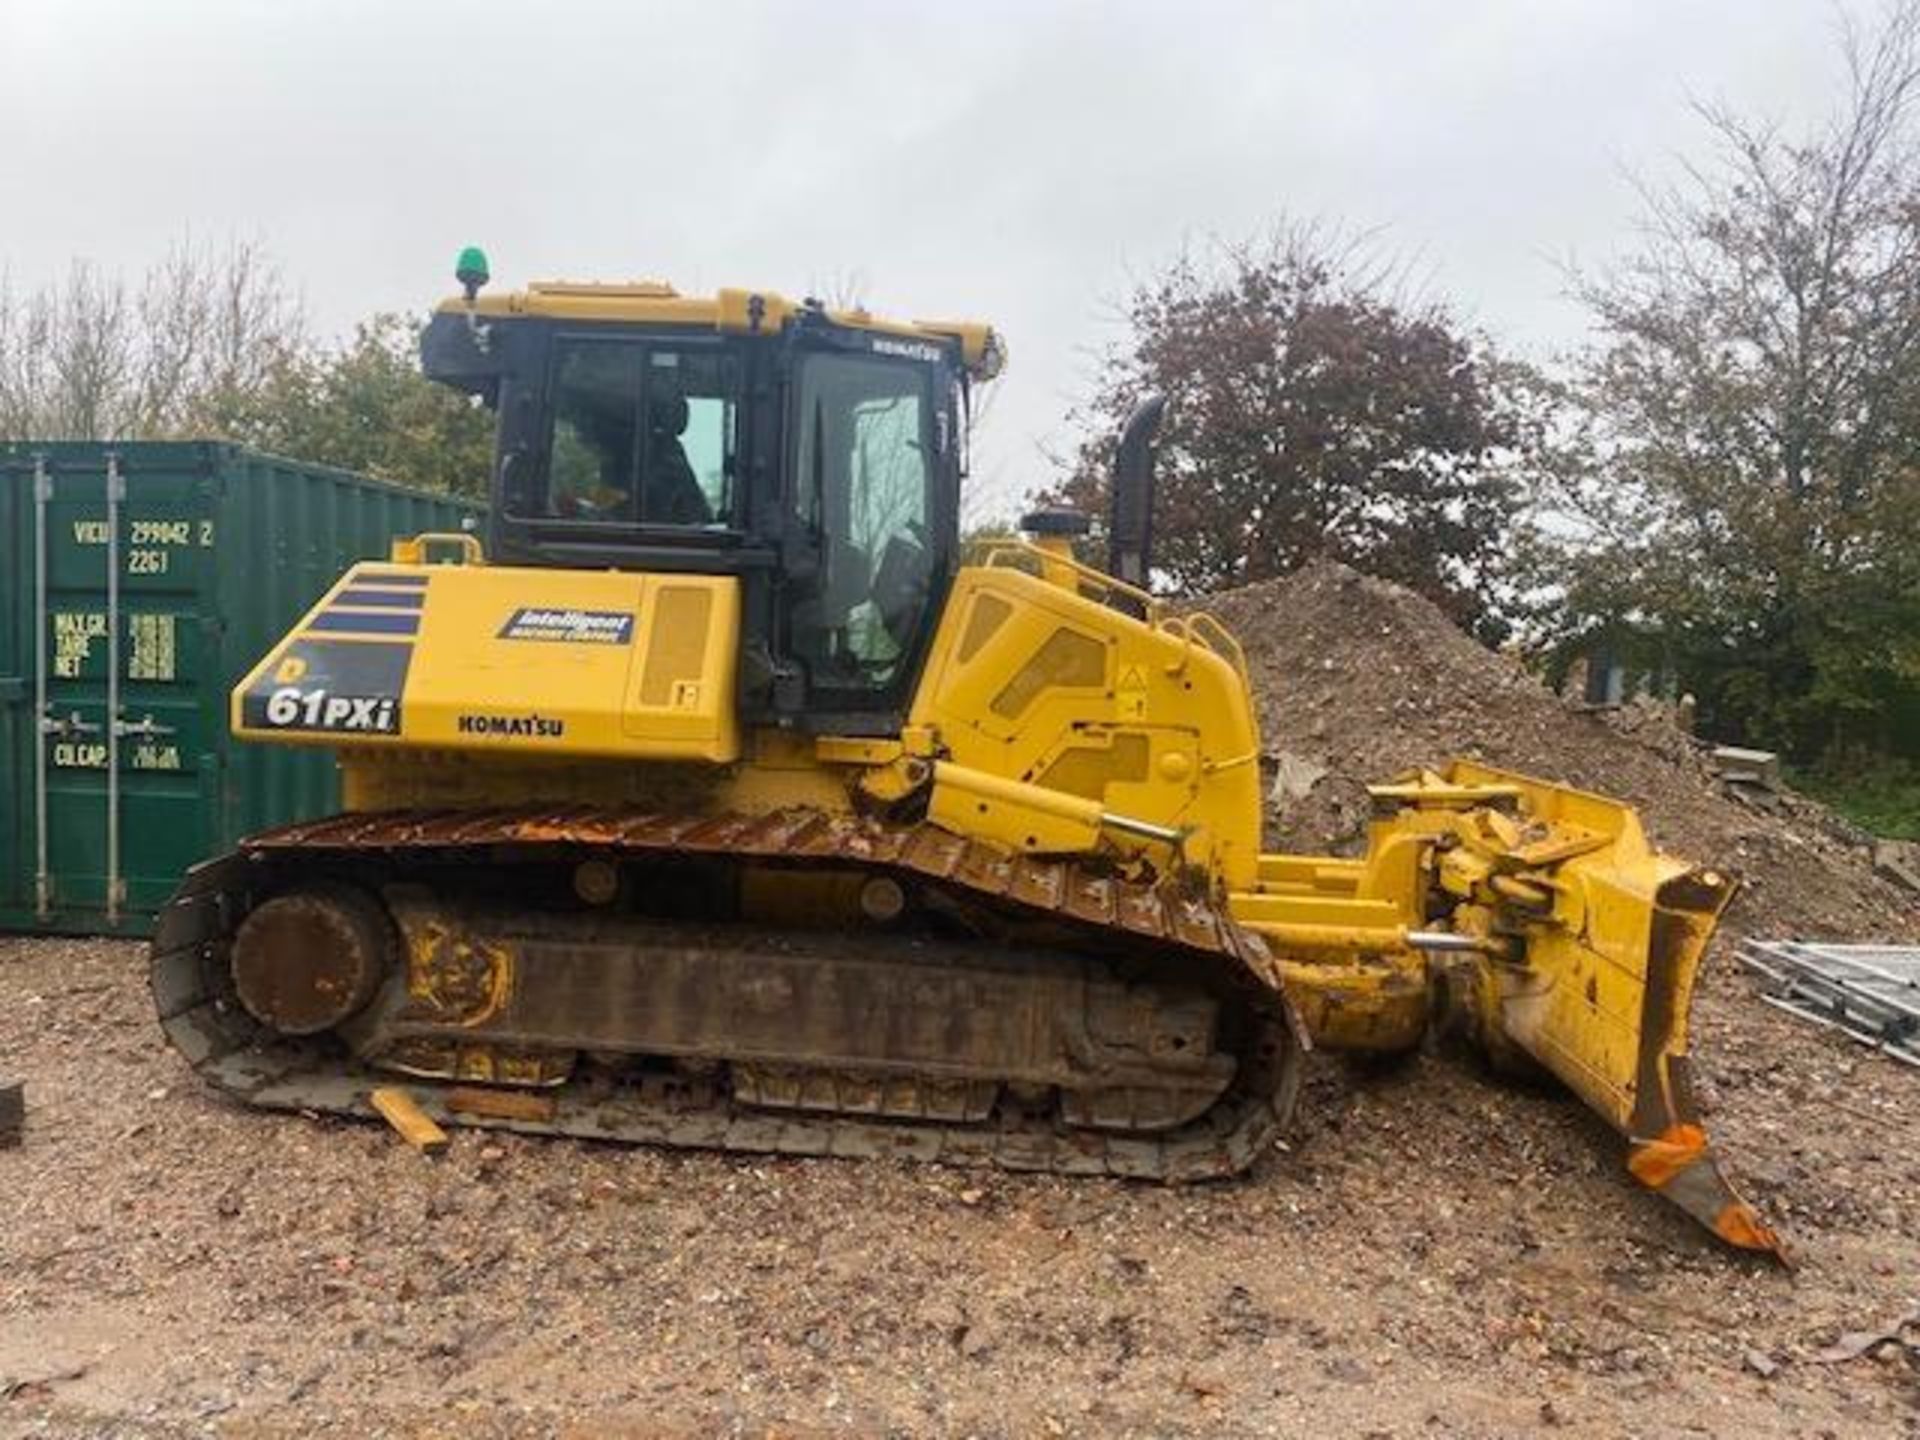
x=384, y=599
x=346, y=622
x=369, y=577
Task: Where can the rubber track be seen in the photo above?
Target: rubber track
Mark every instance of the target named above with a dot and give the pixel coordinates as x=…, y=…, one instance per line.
x=193, y=993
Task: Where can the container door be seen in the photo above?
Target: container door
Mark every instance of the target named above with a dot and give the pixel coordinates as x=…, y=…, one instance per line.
x=128, y=749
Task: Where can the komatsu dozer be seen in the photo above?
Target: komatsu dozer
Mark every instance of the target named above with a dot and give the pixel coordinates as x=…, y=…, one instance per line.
x=713, y=798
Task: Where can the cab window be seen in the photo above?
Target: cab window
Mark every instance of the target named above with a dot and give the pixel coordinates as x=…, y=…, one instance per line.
x=643, y=434
x=863, y=485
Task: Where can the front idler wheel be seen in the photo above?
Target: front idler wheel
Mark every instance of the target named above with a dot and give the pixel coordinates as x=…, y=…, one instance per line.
x=309, y=959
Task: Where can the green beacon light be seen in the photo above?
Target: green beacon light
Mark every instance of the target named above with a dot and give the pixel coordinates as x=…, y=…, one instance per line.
x=471, y=271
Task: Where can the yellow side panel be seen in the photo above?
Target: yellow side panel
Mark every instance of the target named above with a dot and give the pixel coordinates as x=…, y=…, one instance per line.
x=1034, y=683
x=1093, y=769
x=510, y=661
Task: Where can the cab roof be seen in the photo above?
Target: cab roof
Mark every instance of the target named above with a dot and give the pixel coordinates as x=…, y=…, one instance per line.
x=741, y=312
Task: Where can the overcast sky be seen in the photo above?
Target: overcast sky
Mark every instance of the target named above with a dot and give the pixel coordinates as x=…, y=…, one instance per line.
x=1013, y=162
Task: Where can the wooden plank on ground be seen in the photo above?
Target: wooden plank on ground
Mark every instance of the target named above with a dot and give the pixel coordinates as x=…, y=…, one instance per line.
x=500, y=1104
x=415, y=1126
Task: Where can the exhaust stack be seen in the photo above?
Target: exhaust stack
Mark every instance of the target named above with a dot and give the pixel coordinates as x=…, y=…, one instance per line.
x=1130, y=522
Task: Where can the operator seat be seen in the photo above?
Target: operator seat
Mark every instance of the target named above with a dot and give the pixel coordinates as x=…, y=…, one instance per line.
x=673, y=496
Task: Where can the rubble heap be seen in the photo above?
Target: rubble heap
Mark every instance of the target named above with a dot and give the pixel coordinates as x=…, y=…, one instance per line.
x=1358, y=680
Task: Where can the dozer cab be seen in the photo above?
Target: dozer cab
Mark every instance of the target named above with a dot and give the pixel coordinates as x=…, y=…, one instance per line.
x=717, y=800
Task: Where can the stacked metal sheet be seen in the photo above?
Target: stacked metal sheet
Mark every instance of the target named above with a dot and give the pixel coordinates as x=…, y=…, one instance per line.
x=1870, y=991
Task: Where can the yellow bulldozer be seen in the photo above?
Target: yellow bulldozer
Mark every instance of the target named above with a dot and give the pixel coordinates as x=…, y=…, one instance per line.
x=719, y=800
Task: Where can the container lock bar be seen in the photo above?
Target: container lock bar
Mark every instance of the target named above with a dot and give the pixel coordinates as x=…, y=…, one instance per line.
x=42, y=871
x=116, y=493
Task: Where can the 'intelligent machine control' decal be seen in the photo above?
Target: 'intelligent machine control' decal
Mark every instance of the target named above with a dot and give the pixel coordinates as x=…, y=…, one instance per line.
x=579, y=627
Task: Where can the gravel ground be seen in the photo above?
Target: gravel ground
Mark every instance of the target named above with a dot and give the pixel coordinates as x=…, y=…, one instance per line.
x=1430, y=1253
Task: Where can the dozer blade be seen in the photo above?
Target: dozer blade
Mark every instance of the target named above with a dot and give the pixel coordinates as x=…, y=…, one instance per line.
x=1605, y=937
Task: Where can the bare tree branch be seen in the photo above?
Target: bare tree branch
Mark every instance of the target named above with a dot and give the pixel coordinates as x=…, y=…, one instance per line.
x=92, y=357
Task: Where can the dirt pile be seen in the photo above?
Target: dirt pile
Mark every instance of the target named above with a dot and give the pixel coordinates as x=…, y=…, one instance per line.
x=1367, y=679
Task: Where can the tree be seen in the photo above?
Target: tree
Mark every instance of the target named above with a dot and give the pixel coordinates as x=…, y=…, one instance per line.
x=367, y=407
x=1312, y=413
x=95, y=358
x=210, y=344
x=1742, y=472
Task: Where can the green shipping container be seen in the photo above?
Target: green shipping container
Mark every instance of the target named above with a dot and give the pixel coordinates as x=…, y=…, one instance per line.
x=138, y=583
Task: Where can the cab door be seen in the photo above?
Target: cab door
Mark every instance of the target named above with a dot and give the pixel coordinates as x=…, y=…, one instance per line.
x=872, y=490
